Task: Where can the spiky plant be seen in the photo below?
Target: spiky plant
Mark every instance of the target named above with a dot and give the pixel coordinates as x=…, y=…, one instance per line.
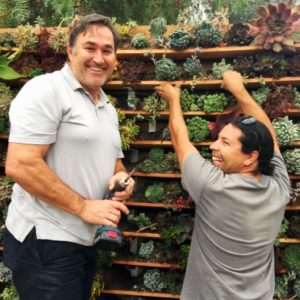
x=179, y=39
x=277, y=26
x=139, y=41
x=238, y=35
x=218, y=69
x=58, y=40
x=25, y=37
x=286, y=131
x=166, y=69
x=207, y=36
x=192, y=66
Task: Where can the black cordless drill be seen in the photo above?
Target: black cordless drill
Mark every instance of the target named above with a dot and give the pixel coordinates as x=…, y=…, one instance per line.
x=108, y=237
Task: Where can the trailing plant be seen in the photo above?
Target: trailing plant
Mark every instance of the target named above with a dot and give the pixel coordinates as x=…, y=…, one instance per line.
x=139, y=41
x=184, y=255
x=286, y=131
x=282, y=284
x=128, y=129
x=154, y=193
x=216, y=102
x=198, y=129
x=261, y=94
x=291, y=258
x=207, y=36
x=25, y=37
x=179, y=39
x=188, y=101
x=140, y=220
x=238, y=35
x=154, y=104
x=282, y=231
x=192, y=67
x=146, y=249
x=218, y=69
x=97, y=286
x=292, y=160
x=277, y=26
x=165, y=69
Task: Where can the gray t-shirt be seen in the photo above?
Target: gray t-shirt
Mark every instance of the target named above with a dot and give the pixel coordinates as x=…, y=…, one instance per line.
x=237, y=219
x=55, y=110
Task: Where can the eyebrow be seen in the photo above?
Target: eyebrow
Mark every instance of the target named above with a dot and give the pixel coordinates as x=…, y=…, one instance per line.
x=107, y=46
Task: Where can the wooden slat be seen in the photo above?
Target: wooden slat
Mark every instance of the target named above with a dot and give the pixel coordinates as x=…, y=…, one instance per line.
x=141, y=234
x=286, y=241
x=157, y=205
x=146, y=264
x=140, y=293
x=157, y=175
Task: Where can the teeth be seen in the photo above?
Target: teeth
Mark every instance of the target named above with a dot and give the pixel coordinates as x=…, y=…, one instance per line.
x=216, y=159
x=96, y=69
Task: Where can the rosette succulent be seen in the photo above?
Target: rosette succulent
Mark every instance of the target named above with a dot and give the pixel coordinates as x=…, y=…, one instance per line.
x=166, y=69
x=139, y=41
x=277, y=26
x=180, y=39
x=207, y=36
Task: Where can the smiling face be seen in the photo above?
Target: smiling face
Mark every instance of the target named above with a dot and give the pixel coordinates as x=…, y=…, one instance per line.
x=93, y=57
x=227, y=154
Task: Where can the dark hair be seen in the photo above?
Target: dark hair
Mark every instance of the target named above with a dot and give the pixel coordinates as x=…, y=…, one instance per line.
x=93, y=19
x=256, y=136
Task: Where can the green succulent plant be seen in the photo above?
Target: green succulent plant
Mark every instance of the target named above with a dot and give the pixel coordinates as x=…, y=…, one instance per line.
x=154, y=104
x=198, y=129
x=6, y=96
x=154, y=193
x=216, y=102
x=192, y=66
x=286, y=131
x=156, y=154
x=291, y=258
x=207, y=36
x=277, y=26
x=218, y=69
x=146, y=249
x=282, y=284
x=188, y=101
x=153, y=280
x=158, y=27
x=261, y=94
x=179, y=39
x=292, y=160
x=166, y=69
x=139, y=41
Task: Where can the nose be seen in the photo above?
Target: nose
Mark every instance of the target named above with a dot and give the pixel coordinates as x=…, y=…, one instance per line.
x=98, y=57
x=214, y=145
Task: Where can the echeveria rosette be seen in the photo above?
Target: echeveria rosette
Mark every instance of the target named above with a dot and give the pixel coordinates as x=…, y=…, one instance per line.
x=278, y=26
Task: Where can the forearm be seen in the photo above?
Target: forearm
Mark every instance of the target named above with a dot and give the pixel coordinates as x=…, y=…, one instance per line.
x=40, y=181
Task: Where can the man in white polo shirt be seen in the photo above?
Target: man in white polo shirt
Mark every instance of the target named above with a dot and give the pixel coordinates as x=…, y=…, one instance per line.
x=64, y=149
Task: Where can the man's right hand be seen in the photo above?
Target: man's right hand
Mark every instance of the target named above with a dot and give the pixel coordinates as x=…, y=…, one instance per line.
x=102, y=212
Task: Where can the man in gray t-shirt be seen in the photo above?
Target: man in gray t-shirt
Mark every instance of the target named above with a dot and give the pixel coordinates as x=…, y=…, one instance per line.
x=239, y=198
x=64, y=152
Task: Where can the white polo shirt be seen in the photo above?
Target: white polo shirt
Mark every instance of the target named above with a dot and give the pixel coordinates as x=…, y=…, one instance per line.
x=54, y=109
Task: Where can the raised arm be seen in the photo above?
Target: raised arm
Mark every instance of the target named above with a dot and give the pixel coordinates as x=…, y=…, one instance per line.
x=178, y=130
x=233, y=82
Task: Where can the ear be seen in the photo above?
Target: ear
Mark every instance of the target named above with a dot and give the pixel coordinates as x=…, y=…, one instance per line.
x=252, y=158
x=69, y=51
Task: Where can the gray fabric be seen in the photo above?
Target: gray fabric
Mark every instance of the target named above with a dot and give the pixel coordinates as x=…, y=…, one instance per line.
x=85, y=143
x=237, y=220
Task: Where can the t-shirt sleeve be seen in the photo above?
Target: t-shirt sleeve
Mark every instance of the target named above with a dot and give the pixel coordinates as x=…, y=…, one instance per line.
x=35, y=113
x=196, y=172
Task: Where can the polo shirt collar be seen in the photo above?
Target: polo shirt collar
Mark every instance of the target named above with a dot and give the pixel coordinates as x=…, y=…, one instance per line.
x=75, y=84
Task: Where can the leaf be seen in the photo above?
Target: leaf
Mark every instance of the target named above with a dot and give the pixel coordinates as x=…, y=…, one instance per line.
x=288, y=42
x=8, y=73
x=263, y=11
x=4, y=59
x=286, y=14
